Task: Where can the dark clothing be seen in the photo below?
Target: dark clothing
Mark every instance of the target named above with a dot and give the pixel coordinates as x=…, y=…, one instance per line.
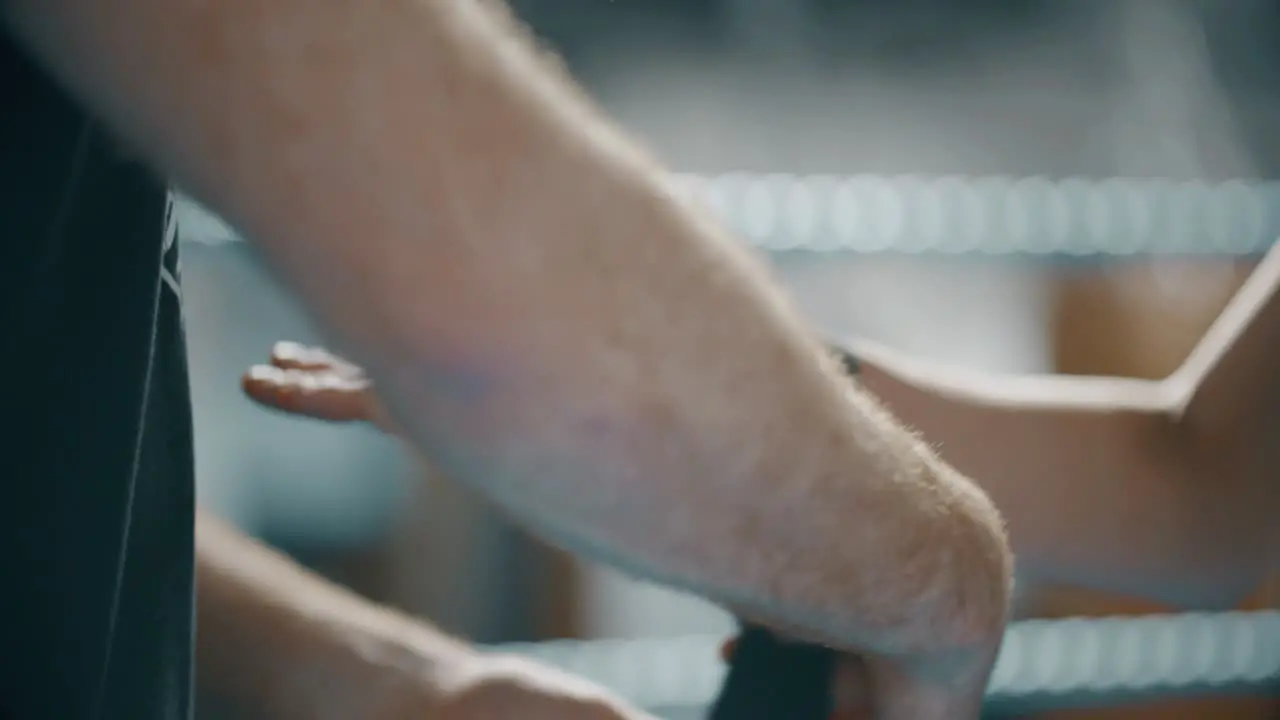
x=96, y=489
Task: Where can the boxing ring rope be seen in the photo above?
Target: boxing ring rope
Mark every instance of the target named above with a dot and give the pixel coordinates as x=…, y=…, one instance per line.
x=957, y=215
x=1044, y=664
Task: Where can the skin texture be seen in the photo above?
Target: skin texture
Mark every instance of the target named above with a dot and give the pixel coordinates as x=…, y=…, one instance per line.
x=314, y=383
x=1174, y=479
x=320, y=652
x=550, y=323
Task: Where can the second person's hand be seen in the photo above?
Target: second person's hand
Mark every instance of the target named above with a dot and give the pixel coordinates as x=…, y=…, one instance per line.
x=315, y=383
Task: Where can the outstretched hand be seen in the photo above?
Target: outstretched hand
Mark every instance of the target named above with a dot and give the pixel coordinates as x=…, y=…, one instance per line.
x=315, y=383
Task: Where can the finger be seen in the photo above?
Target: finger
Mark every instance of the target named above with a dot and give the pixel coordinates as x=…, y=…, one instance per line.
x=295, y=356
x=323, y=395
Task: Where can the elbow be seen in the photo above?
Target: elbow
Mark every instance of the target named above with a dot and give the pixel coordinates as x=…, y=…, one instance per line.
x=954, y=594
x=974, y=609
x=955, y=627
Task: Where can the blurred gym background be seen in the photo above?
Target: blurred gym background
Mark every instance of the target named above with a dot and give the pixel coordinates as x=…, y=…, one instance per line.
x=1177, y=89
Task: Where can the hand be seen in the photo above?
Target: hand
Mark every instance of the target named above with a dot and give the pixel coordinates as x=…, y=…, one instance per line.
x=315, y=383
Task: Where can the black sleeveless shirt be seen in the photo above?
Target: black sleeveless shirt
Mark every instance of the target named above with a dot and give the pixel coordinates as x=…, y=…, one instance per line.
x=96, y=487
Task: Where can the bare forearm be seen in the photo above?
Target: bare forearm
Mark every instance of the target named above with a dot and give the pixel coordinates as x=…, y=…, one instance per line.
x=544, y=318
x=275, y=641
x=1094, y=476
x=1229, y=410
x=1229, y=383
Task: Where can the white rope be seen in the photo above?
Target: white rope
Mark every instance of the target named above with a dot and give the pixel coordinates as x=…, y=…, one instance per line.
x=955, y=215
x=1044, y=664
